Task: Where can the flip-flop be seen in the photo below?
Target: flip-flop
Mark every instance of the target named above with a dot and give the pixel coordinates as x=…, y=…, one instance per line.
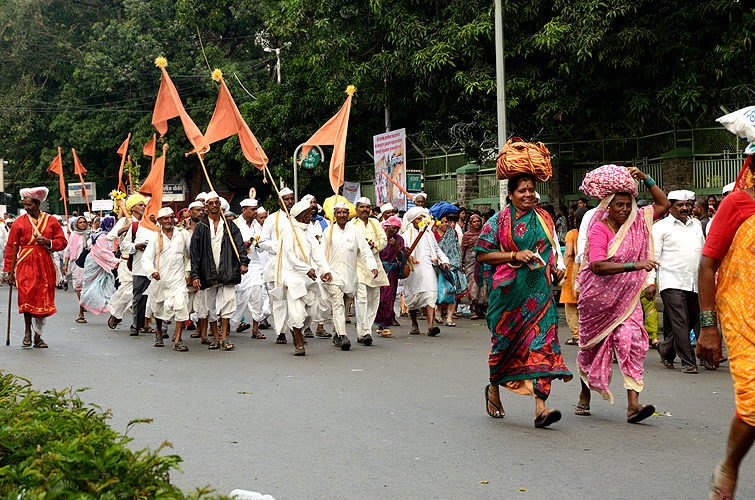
x=26, y=342
x=81, y=319
x=641, y=413
x=582, y=410
x=488, y=401
x=432, y=332
x=546, y=420
x=450, y=324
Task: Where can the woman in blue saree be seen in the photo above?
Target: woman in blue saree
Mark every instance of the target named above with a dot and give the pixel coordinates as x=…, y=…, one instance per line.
x=517, y=243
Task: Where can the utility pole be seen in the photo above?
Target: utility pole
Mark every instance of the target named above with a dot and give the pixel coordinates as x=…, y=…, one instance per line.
x=277, y=62
x=500, y=77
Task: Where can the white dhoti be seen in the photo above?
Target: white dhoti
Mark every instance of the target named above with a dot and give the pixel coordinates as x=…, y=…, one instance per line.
x=121, y=300
x=300, y=309
x=172, y=302
x=252, y=299
x=280, y=311
x=321, y=311
x=339, y=302
x=367, y=302
x=421, y=299
x=221, y=302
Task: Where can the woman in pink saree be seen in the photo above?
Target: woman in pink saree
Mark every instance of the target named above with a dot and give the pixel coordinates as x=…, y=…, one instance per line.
x=617, y=259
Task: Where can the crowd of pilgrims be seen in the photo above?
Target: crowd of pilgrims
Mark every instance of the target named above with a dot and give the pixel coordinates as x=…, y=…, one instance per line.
x=299, y=268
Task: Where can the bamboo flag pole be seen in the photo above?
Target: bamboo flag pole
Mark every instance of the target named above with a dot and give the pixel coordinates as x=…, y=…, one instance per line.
x=332, y=222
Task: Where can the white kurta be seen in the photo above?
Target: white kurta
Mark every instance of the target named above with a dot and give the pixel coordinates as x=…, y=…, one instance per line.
x=170, y=298
x=294, y=261
x=343, y=250
x=250, y=293
x=423, y=278
x=271, y=231
x=372, y=232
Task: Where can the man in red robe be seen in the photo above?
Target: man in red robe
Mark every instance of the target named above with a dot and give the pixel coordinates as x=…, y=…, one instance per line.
x=35, y=236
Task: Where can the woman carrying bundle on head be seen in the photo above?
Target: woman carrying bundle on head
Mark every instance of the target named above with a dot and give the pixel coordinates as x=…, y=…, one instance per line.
x=613, y=276
x=519, y=246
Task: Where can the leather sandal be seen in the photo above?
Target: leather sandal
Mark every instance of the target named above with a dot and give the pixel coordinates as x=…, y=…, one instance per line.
x=39, y=343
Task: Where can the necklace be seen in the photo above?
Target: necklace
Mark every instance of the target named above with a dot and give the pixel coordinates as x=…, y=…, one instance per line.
x=614, y=231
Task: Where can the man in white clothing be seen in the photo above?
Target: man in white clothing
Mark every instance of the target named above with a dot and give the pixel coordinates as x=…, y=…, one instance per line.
x=167, y=263
x=678, y=241
x=127, y=225
x=387, y=211
x=321, y=311
x=368, y=291
x=295, y=277
x=343, y=245
x=274, y=224
x=135, y=242
x=421, y=287
x=250, y=293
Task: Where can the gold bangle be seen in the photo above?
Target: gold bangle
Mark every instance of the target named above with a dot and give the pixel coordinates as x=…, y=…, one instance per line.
x=513, y=256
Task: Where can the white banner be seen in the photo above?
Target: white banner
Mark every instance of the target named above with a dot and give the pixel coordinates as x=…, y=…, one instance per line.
x=102, y=205
x=352, y=191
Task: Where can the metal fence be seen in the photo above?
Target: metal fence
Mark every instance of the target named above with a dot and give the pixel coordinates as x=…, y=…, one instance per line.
x=717, y=159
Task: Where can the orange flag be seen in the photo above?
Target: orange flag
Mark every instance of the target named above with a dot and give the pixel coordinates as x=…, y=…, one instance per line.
x=153, y=187
x=56, y=167
x=333, y=133
x=167, y=106
x=227, y=121
x=150, y=149
x=123, y=152
x=79, y=170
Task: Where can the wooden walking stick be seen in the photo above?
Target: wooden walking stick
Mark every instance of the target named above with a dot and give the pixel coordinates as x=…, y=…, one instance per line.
x=10, y=290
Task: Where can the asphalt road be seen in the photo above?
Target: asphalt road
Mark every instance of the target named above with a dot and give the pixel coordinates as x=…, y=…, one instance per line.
x=404, y=418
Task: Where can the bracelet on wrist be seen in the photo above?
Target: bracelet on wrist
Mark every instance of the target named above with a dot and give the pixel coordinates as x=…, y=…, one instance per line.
x=649, y=182
x=708, y=318
x=628, y=266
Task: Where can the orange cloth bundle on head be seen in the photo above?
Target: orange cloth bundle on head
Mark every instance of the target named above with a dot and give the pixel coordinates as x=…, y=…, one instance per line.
x=519, y=157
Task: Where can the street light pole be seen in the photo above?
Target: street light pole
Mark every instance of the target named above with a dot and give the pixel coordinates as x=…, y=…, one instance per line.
x=500, y=77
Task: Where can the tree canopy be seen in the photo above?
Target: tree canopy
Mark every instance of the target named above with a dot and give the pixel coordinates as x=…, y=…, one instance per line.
x=81, y=74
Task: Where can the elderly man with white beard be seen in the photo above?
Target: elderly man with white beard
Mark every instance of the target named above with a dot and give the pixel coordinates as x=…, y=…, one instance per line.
x=342, y=245
x=250, y=293
x=421, y=287
x=296, y=280
x=167, y=262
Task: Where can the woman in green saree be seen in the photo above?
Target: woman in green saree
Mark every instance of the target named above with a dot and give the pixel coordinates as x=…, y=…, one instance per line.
x=516, y=250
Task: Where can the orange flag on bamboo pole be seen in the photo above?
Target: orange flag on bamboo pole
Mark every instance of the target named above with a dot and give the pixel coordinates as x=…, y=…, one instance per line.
x=123, y=152
x=227, y=121
x=168, y=105
x=79, y=170
x=333, y=133
x=153, y=187
x=150, y=149
x=56, y=167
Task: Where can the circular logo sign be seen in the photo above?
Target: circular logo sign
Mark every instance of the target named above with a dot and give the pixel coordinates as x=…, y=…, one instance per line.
x=312, y=159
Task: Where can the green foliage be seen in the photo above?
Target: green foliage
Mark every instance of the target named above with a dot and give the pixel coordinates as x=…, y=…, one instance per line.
x=81, y=74
x=53, y=446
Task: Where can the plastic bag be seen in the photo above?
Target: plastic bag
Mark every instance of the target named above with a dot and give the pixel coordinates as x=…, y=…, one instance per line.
x=446, y=290
x=740, y=122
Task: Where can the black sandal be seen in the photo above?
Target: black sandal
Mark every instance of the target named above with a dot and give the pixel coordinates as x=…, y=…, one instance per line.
x=112, y=322
x=281, y=339
x=432, y=332
x=500, y=413
x=641, y=413
x=159, y=342
x=572, y=341
x=180, y=347
x=227, y=346
x=544, y=420
x=214, y=345
x=38, y=342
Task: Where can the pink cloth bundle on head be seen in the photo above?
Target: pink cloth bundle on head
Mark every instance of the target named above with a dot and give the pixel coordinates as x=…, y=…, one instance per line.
x=608, y=180
x=391, y=221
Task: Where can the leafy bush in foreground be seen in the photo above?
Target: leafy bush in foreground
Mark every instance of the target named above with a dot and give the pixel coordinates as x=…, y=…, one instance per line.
x=53, y=446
